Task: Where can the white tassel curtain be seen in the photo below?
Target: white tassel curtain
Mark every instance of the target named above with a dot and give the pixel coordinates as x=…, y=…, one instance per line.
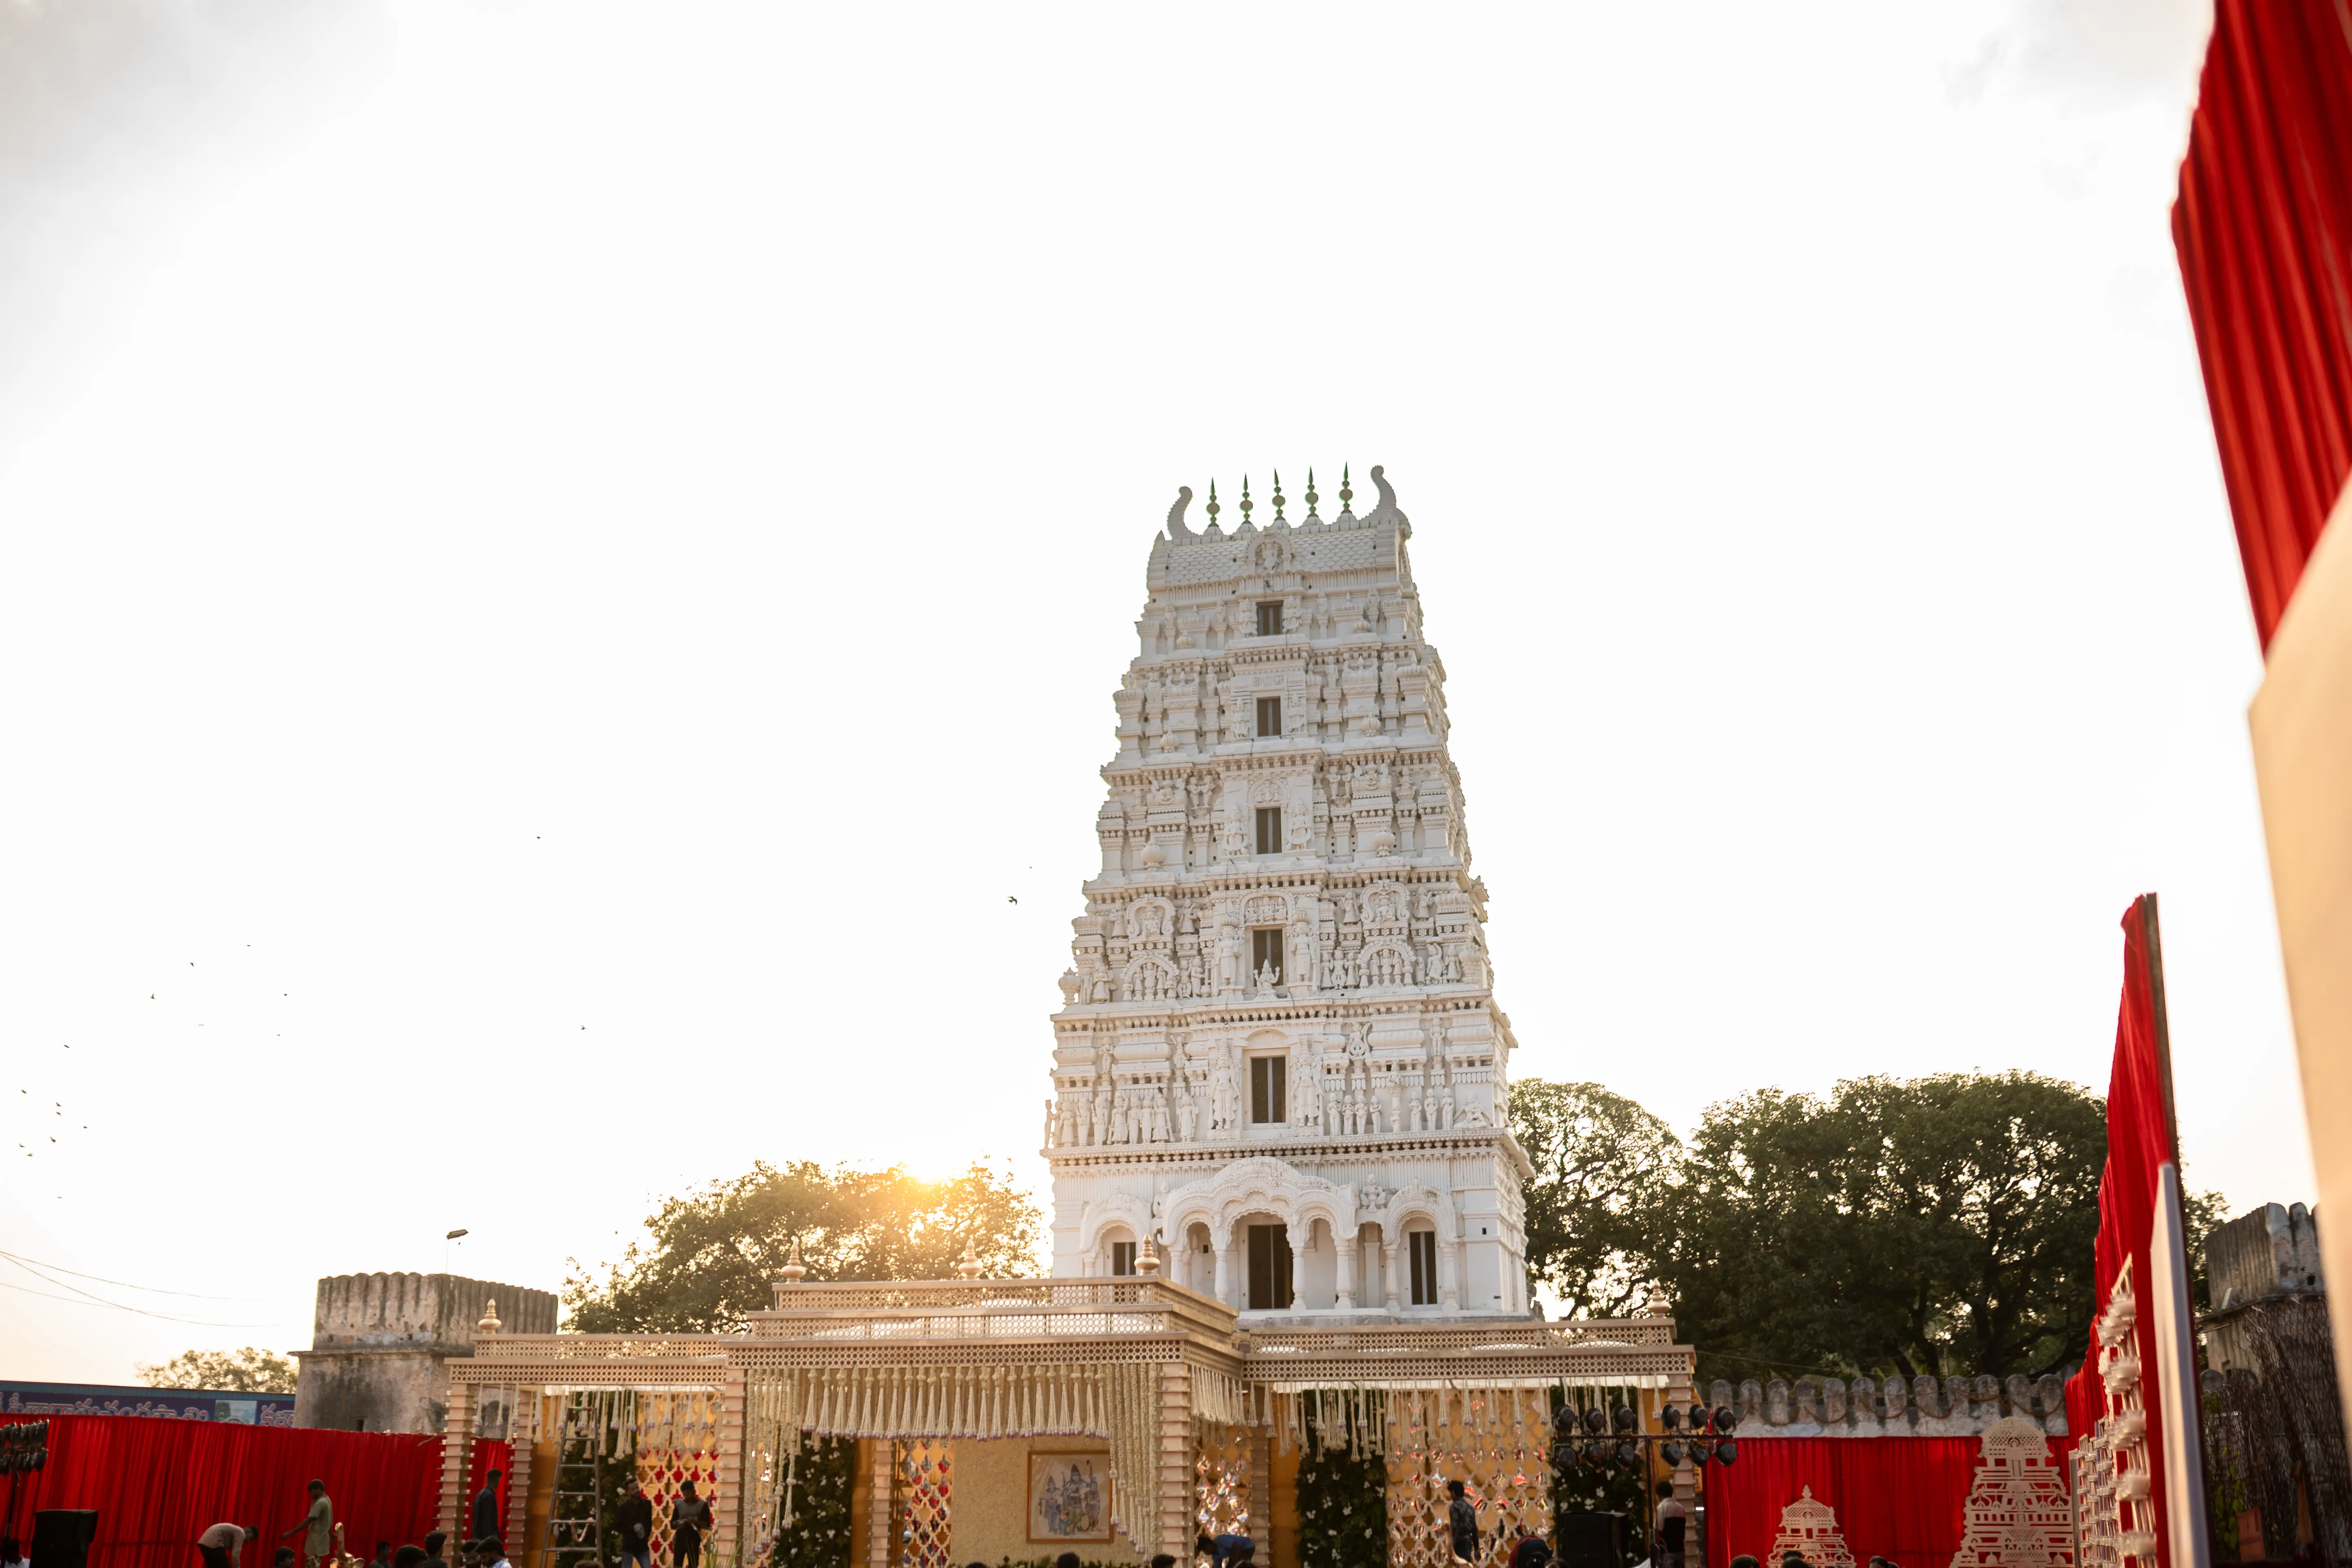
x=1119, y=1402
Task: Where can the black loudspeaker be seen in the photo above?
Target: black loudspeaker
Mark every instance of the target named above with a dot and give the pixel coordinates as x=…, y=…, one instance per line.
x=1592, y=1540
x=61, y=1537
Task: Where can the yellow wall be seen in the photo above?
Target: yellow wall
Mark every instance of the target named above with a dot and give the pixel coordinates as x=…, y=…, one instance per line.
x=1284, y=1479
x=990, y=1503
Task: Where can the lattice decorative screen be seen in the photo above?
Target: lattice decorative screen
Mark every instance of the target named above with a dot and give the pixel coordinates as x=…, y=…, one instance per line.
x=922, y=1501
x=1494, y=1441
x=676, y=1441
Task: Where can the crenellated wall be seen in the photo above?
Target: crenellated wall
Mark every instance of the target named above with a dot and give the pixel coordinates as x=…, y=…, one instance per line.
x=405, y=1310
x=380, y=1342
x=1865, y=1407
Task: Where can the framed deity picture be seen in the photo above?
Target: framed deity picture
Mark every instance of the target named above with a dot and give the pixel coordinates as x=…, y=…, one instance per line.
x=1069, y=1497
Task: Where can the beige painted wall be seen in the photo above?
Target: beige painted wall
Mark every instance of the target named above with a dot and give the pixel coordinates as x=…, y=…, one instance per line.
x=990, y=1503
x=2301, y=723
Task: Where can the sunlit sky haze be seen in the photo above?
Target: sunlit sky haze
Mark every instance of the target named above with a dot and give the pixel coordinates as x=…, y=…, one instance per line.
x=562, y=567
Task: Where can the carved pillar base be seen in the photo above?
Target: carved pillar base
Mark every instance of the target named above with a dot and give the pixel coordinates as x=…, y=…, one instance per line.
x=523, y=1430
x=1261, y=1494
x=1175, y=1512
x=457, y=1458
x=880, y=1456
x=727, y=1515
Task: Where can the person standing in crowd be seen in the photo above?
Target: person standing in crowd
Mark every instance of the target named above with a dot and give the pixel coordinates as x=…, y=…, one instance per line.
x=486, y=1507
x=1226, y=1549
x=1529, y=1550
x=219, y=1545
x=383, y=1558
x=1461, y=1523
x=635, y=1520
x=433, y=1542
x=494, y=1553
x=689, y=1516
x=317, y=1529
x=1672, y=1524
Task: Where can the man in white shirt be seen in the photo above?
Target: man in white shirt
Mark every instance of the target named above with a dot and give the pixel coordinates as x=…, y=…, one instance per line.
x=222, y=1542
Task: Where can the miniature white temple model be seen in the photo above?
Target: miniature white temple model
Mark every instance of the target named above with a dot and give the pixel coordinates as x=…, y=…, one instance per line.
x=1279, y=1057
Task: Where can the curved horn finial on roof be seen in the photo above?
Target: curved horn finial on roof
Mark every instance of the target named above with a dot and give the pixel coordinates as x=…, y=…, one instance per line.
x=1387, y=507
x=1176, y=529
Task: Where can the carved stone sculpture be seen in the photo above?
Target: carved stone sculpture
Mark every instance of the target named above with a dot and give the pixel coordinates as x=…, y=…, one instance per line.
x=1265, y=895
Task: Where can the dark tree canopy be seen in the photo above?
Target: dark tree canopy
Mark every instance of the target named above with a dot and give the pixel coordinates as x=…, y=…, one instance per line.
x=1931, y=1225
x=714, y=1254
x=1600, y=1163
x=1892, y=1226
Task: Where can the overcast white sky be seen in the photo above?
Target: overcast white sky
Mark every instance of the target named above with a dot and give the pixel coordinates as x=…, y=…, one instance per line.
x=560, y=564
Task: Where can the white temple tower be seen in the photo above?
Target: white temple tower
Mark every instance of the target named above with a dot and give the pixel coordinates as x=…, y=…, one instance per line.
x=1280, y=1056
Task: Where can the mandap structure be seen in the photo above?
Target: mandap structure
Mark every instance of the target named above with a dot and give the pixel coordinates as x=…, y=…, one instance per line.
x=1287, y=1215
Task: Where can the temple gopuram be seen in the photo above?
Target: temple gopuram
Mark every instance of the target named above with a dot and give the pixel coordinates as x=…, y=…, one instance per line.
x=1286, y=1215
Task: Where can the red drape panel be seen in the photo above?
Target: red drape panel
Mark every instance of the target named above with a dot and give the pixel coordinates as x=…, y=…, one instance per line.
x=156, y=1485
x=2139, y=1139
x=2264, y=230
x=1898, y=1497
x=490, y=1455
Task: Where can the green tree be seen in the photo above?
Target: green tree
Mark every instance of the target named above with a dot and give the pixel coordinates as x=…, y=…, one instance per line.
x=714, y=1253
x=1920, y=1225
x=246, y=1370
x=1601, y=1165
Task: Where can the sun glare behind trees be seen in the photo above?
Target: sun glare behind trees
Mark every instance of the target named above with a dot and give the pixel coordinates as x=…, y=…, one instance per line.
x=715, y=1253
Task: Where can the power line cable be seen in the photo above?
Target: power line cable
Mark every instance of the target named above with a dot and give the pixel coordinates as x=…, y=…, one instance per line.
x=127, y=1285
x=167, y=1317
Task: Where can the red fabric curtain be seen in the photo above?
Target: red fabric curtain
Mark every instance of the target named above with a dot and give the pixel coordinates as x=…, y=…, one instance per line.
x=2139, y=1140
x=2264, y=230
x=487, y=1456
x=156, y=1485
x=1898, y=1497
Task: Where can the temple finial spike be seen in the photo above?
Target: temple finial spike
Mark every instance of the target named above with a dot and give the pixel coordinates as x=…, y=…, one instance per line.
x=1245, y=500
x=1347, y=494
x=1213, y=508
x=1311, y=492
x=1278, y=495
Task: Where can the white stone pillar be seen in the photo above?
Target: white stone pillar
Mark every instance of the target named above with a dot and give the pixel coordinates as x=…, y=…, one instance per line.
x=1393, y=1286
x=1449, y=1274
x=1225, y=1277
x=1347, y=1300
x=1299, y=1272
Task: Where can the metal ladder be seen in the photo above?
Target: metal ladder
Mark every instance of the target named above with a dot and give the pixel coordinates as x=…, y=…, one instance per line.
x=587, y=1423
